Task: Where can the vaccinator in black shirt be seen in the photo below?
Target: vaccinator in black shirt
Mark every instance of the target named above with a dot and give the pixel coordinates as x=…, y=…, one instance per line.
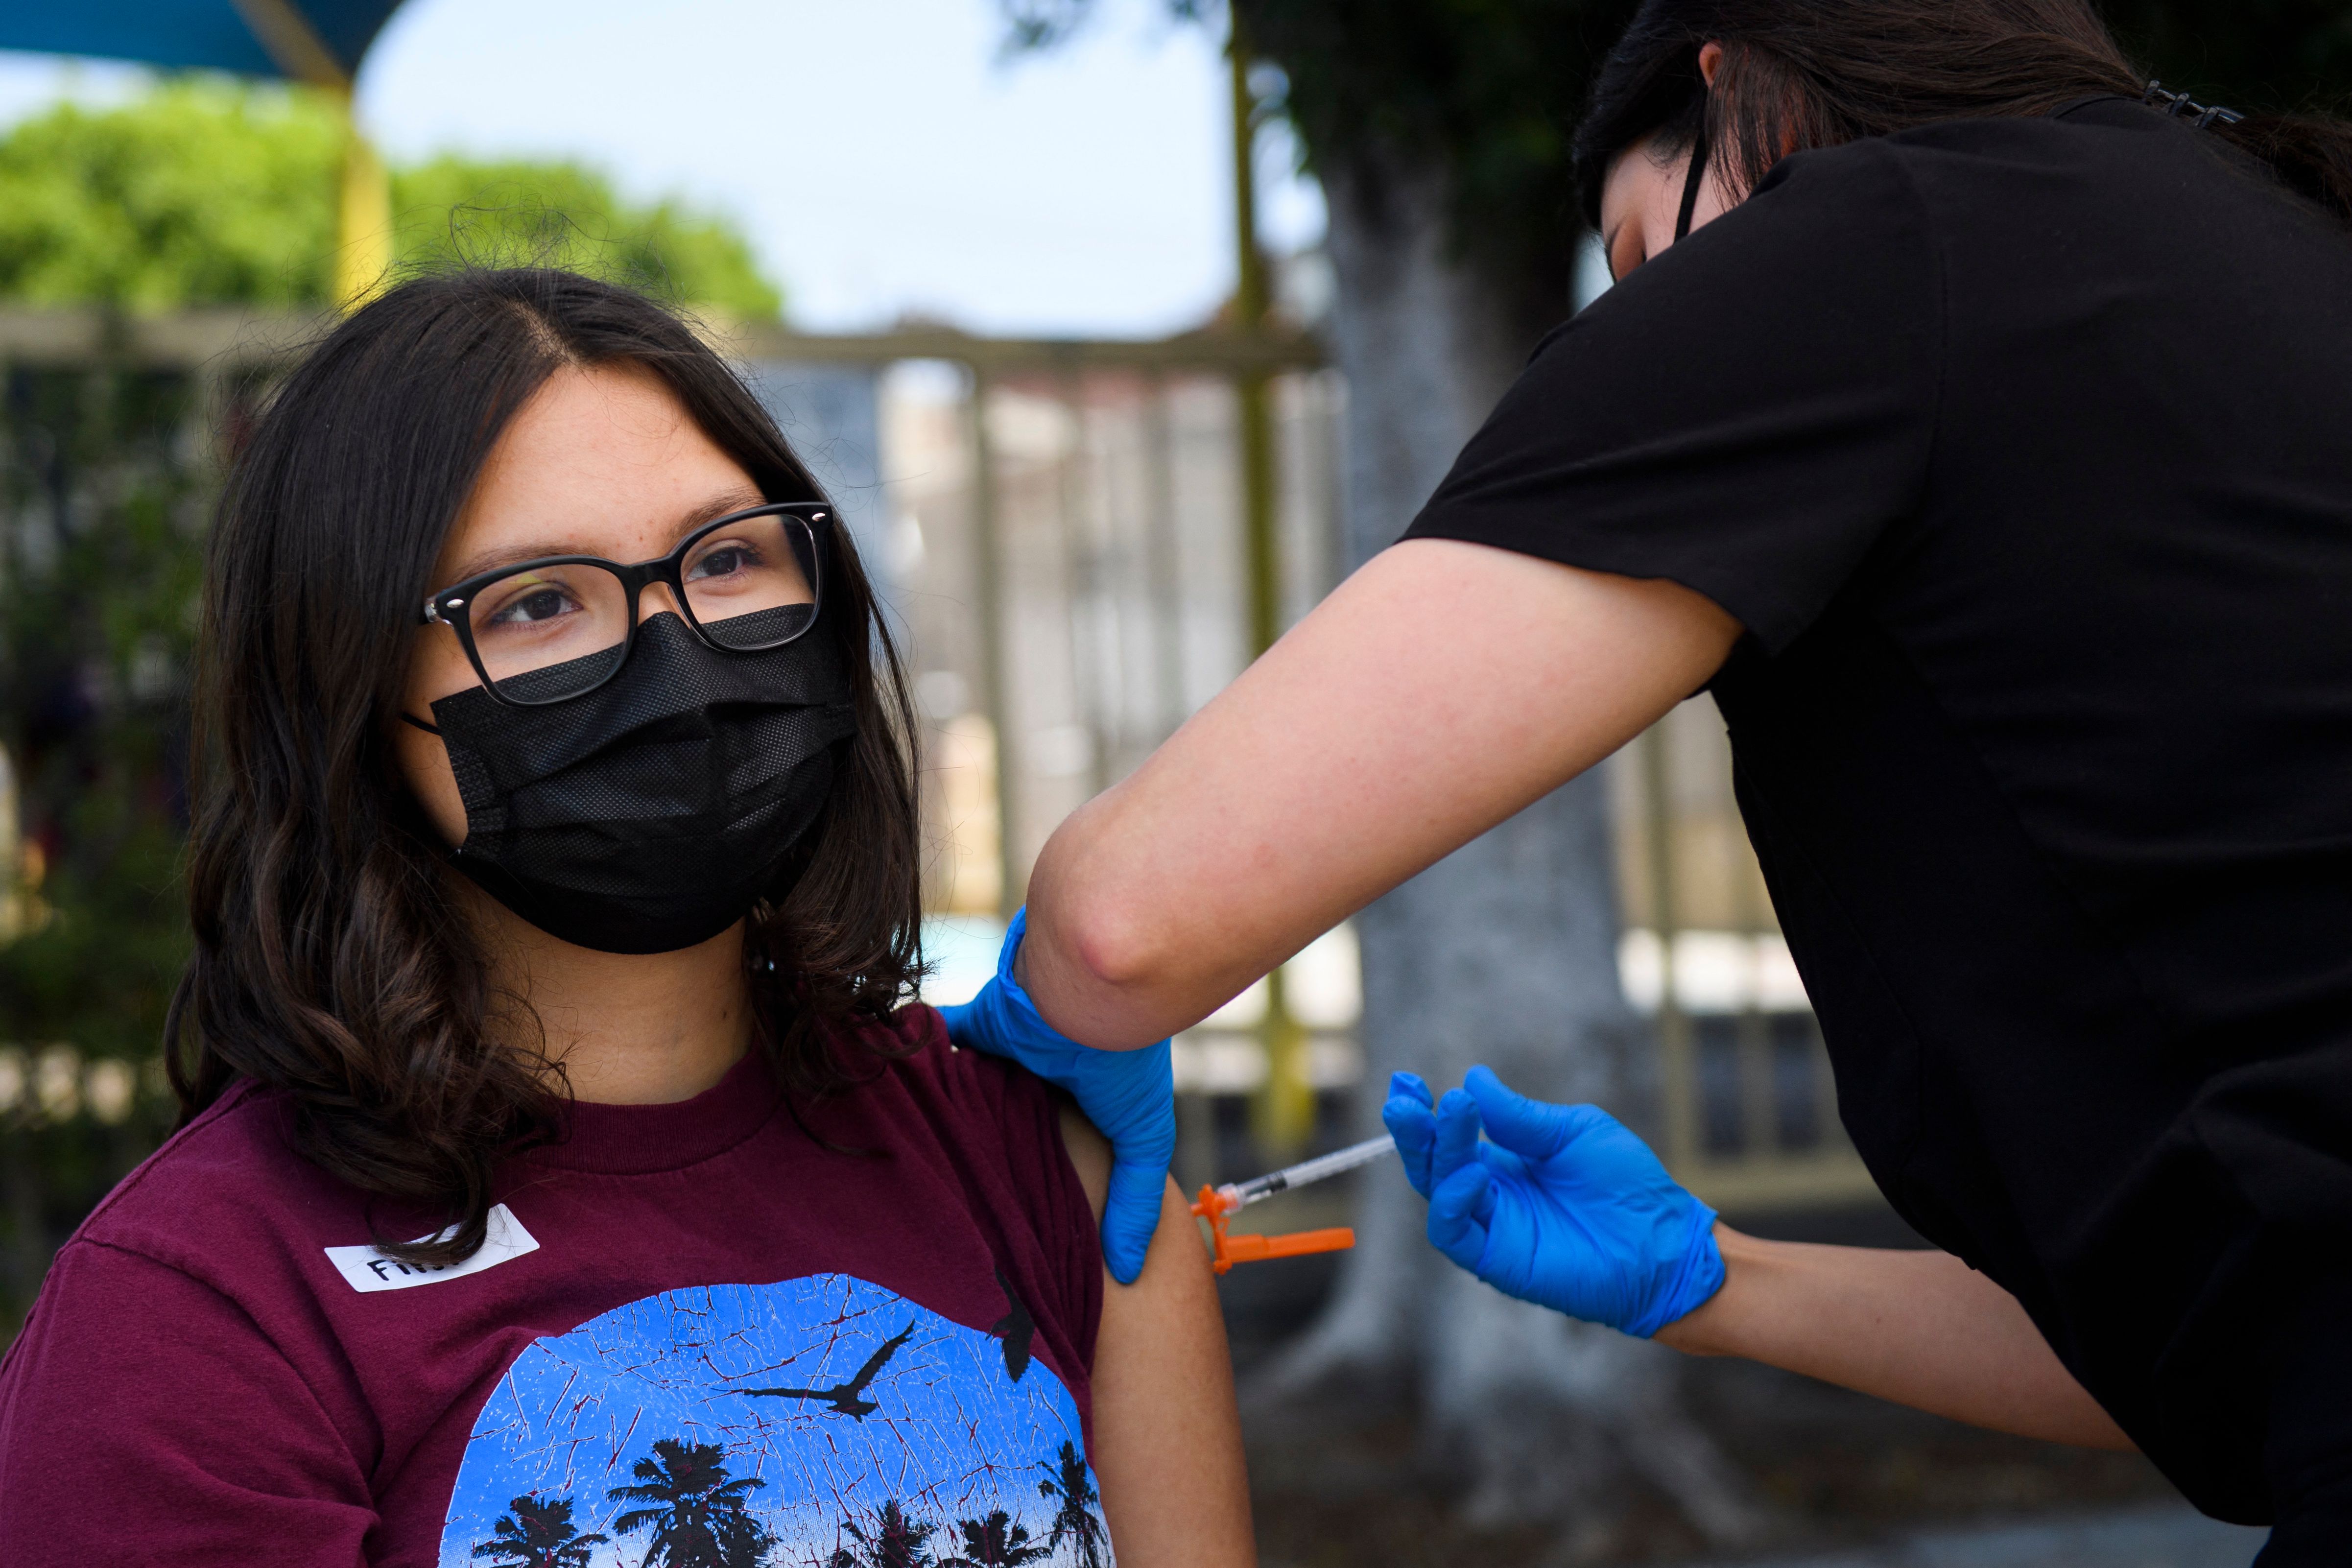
x=2022, y=450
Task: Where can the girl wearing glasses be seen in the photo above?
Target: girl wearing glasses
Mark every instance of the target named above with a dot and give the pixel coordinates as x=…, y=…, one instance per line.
x=564, y=1176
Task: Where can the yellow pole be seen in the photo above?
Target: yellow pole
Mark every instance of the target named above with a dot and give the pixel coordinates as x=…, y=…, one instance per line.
x=363, y=236
x=1678, y=1075
x=1285, y=1112
x=363, y=213
x=1249, y=273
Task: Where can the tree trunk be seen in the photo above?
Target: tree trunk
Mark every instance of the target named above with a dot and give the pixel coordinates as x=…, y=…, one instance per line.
x=1505, y=953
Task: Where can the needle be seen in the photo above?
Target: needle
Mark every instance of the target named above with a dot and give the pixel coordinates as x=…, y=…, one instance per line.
x=1241, y=1194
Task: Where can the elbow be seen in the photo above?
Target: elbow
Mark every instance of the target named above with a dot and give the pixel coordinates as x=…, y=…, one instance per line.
x=1107, y=944
x=1093, y=934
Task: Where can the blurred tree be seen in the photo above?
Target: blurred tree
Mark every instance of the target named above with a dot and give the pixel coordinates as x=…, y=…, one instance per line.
x=1439, y=129
x=192, y=196
x=2250, y=53
x=204, y=194
x=101, y=488
x=564, y=215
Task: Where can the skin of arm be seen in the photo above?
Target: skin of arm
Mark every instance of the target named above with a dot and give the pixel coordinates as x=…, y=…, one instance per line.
x=1168, y=1438
x=1921, y=1328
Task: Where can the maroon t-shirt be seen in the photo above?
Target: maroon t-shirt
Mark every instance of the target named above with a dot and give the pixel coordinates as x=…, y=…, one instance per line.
x=695, y=1324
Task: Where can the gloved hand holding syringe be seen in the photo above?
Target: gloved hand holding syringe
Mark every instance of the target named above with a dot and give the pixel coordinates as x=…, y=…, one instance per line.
x=1215, y=1204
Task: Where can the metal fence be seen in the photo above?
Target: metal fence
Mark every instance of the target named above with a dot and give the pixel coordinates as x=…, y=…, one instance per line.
x=1750, y=1109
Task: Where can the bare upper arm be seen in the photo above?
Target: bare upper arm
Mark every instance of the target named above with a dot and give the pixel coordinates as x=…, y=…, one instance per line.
x=1167, y=1443
x=1089, y=1155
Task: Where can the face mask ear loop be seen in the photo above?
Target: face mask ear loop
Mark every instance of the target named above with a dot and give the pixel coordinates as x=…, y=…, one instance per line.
x=428, y=728
x=1691, y=181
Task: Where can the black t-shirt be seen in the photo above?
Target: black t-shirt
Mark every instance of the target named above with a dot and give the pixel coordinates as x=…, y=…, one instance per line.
x=2021, y=448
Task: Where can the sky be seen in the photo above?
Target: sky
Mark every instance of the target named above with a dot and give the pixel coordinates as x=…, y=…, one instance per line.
x=884, y=157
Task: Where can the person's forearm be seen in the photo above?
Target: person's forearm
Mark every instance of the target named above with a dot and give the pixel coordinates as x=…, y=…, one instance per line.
x=1437, y=691
x=1921, y=1328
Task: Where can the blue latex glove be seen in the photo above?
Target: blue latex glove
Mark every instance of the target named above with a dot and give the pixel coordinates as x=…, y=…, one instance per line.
x=1412, y=1119
x=1129, y=1096
x=1564, y=1208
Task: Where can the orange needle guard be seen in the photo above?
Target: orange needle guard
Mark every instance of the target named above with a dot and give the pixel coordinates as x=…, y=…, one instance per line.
x=1224, y=1251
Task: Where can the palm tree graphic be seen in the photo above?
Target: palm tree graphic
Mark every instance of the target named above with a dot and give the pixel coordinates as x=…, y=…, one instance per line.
x=846, y=1398
x=895, y=1541
x=538, y=1533
x=743, y=1541
x=696, y=1509
x=1076, y=1520
x=995, y=1542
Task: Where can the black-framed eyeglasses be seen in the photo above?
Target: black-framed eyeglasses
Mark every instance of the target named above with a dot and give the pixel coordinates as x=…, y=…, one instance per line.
x=560, y=626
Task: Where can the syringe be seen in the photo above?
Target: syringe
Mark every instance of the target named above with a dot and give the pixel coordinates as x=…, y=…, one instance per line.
x=1241, y=1194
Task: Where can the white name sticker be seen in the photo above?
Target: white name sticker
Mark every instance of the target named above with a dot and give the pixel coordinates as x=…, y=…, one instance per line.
x=368, y=1269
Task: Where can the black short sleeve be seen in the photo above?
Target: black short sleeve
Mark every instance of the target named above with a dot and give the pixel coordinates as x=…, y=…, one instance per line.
x=1745, y=414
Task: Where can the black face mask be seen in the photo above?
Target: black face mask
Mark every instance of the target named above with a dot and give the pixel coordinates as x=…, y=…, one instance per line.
x=652, y=813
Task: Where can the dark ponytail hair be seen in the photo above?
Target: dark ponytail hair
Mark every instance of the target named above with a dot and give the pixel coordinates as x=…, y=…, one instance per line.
x=1799, y=74
x=332, y=964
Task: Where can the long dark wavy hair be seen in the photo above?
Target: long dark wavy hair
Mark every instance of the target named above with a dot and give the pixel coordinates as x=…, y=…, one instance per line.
x=333, y=962
x=1799, y=74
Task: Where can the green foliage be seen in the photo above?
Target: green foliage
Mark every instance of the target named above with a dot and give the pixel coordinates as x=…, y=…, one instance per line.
x=194, y=195
x=100, y=573
x=1491, y=88
x=1042, y=24
x=204, y=194
x=563, y=215
x=101, y=494
x=2248, y=53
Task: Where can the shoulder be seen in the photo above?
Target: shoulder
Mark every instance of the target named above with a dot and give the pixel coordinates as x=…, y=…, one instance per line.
x=163, y=1353
x=1957, y=174
x=198, y=1255
x=228, y=1186
x=1840, y=230
x=2007, y=181
x=1854, y=208
x=925, y=1064
x=985, y=1108
x=2090, y=132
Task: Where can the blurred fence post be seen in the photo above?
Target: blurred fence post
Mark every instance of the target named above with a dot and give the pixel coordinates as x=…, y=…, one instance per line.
x=1676, y=1082
x=988, y=587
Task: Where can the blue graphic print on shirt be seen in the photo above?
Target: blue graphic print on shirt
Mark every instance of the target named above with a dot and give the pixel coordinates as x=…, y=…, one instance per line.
x=822, y=1421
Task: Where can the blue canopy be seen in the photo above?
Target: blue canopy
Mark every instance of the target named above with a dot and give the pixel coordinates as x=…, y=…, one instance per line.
x=319, y=41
